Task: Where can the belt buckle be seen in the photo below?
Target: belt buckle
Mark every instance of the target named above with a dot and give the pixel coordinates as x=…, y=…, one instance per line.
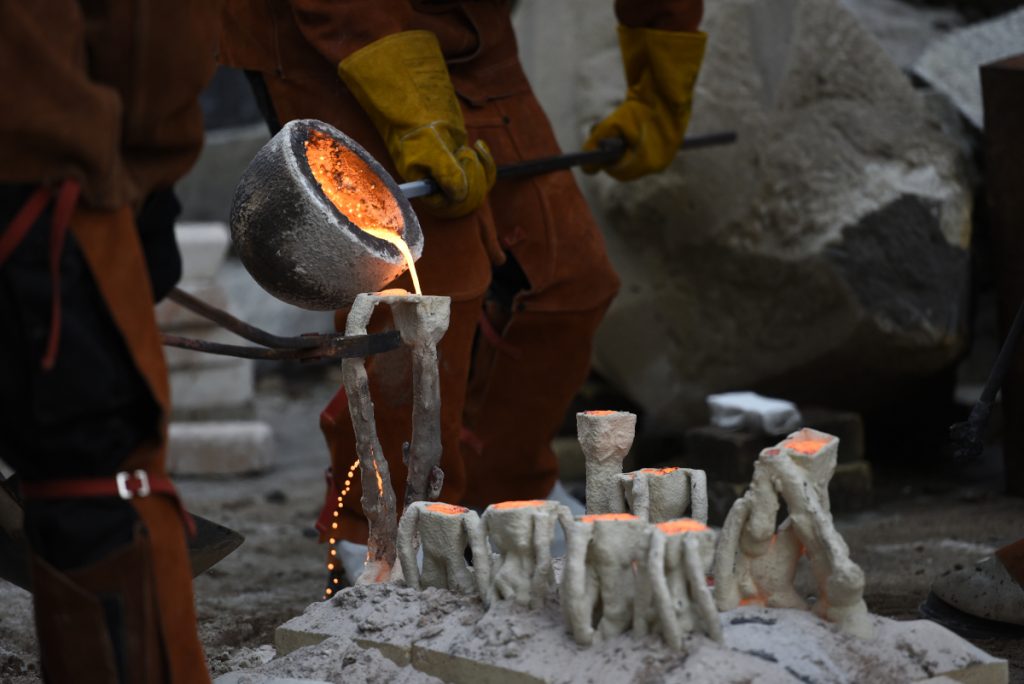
x=122, y=484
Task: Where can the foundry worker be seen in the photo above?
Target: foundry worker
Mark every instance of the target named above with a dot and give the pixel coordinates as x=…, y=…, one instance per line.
x=435, y=88
x=98, y=118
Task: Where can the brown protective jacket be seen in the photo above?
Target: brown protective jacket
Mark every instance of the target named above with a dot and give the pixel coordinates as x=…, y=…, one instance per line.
x=103, y=92
x=291, y=37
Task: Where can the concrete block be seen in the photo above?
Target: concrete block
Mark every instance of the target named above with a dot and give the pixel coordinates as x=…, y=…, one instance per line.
x=203, y=248
x=206, y=192
x=219, y=447
x=248, y=678
x=851, y=487
x=726, y=455
x=171, y=317
x=846, y=425
x=216, y=387
x=571, y=462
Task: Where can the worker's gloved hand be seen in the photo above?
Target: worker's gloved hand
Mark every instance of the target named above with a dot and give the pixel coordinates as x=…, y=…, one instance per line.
x=403, y=84
x=661, y=70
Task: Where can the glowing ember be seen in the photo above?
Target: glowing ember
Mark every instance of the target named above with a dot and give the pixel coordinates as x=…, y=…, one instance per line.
x=380, y=481
x=805, y=446
x=607, y=516
x=681, y=526
x=357, y=193
x=504, y=505
x=659, y=471
x=601, y=413
x=446, y=509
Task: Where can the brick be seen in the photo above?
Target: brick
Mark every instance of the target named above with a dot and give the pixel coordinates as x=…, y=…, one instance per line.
x=171, y=317
x=846, y=425
x=571, y=462
x=219, y=447
x=210, y=388
x=726, y=455
x=203, y=248
x=851, y=487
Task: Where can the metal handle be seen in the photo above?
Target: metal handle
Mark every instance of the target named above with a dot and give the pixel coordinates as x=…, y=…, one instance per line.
x=609, y=150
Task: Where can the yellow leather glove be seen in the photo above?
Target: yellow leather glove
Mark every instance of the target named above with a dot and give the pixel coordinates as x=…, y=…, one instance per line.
x=661, y=70
x=402, y=82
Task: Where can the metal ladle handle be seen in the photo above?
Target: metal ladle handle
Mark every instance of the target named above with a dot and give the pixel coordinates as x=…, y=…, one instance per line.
x=609, y=150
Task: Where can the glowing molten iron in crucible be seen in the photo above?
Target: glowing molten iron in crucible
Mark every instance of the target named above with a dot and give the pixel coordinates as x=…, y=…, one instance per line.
x=357, y=193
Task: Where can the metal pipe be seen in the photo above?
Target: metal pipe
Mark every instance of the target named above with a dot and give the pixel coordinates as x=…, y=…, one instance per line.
x=608, y=151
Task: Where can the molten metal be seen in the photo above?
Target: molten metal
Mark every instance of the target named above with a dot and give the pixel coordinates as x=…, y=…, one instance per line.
x=594, y=517
x=805, y=446
x=506, y=505
x=355, y=191
x=681, y=526
x=446, y=509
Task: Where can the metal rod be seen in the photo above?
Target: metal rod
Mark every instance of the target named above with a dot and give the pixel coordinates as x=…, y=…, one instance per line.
x=608, y=151
x=241, y=328
x=330, y=346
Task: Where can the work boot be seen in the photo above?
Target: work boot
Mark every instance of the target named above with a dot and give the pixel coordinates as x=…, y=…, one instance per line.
x=986, y=596
x=99, y=623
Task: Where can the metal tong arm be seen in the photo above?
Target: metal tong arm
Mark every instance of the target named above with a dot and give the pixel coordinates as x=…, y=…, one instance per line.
x=275, y=347
x=609, y=150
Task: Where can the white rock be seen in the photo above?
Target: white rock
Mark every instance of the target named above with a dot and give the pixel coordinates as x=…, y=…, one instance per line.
x=951, y=64
x=824, y=252
x=752, y=411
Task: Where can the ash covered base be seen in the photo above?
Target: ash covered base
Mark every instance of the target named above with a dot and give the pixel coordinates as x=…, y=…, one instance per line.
x=390, y=633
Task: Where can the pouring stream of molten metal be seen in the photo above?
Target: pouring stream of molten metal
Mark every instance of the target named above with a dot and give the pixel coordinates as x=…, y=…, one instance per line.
x=356, y=192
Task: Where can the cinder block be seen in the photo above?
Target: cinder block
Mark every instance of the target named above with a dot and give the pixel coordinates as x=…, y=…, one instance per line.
x=851, y=487
x=726, y=455
x=203, y=248
x=846, y=425
x=217, y=387
x=171, y=317
x=571, y=462
x=219, y=447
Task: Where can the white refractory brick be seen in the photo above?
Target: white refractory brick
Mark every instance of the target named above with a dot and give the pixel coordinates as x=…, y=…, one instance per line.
x=203, y=247
x=171, y=317
x=219, y=447
x=751, y=411
x=226, y=386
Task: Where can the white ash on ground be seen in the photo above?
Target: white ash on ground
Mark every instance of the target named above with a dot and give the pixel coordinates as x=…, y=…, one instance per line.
x=438, y=633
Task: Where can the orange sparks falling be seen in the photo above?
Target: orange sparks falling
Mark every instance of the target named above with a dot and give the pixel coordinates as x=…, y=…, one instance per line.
x=357, y=193
x=805, y=446
x=594, y=517
x=446, y=509
x=506, y=505
x=332, y=554
x=681, y=526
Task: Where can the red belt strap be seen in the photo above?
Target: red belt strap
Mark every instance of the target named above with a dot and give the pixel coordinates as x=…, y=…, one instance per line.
x=125, y=485
x=31, y=210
